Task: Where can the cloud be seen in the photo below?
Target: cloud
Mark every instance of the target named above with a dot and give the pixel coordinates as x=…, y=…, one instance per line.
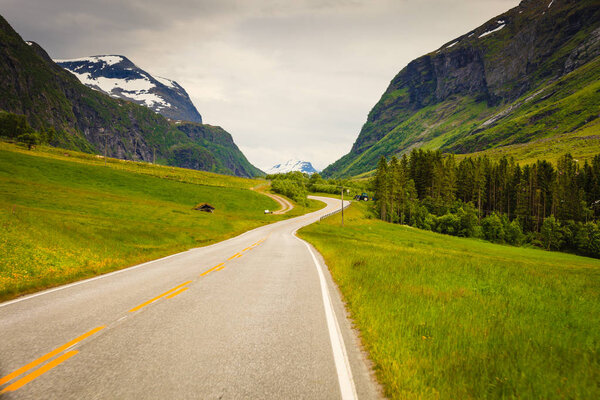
x=285, y=78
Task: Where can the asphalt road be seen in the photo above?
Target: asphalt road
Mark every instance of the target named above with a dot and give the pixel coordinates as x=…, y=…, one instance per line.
x=252, y=317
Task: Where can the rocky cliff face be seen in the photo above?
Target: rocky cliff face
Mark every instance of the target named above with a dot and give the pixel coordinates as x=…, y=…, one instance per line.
x=118, y=77
x=487, y=69
x=88, y=120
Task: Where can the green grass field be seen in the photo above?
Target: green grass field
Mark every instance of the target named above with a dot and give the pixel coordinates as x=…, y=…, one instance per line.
x=65, y=216
x=452, y=318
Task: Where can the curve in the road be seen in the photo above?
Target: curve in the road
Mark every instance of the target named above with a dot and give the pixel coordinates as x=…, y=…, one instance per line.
x=250, y=317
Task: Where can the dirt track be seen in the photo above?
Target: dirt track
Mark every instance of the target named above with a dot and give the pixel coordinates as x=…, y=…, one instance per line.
x=284, y=203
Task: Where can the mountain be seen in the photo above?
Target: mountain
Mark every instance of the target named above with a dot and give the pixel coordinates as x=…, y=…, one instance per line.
x=85, y=119
x=529, y=77
x=292, y=165
x=118, y=77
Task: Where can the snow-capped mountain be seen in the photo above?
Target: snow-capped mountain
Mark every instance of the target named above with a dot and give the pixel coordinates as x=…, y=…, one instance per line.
x=118, y=77
x=292, y=165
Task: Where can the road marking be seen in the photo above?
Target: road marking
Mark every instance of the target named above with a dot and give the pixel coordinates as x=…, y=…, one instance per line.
x=342, y=364
x=159, y=296
x=45, y=357
x=42, y=370
x=176, y=293
x=120, y=271
x=236, y=255
x=211, y=270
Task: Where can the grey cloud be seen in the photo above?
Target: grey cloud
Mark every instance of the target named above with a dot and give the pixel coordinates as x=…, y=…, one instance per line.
x=286, y=78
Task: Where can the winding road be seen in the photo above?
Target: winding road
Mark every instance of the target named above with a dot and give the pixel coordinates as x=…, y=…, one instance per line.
x=253, y=317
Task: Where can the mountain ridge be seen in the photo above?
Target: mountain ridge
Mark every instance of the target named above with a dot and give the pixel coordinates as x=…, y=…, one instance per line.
x=119, y=77
x=88, y=120
x=291, y=166
x=488, y=87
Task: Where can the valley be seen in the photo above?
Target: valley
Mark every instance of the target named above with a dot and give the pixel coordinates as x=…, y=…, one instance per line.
x=66, y=216
x=452, y=253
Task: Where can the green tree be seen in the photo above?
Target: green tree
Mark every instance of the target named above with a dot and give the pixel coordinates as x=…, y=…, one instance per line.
x=30, y=139
x=493, y=228
x=381, y=186
x=551, y=233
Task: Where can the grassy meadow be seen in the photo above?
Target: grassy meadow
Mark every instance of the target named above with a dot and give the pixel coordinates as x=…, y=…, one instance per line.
x=65, y=216
x=452, y=318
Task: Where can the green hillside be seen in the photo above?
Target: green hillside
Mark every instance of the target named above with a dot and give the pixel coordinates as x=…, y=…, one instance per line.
x=87, y=120
x=453, y=318
x=530, y=75
x=66, y=216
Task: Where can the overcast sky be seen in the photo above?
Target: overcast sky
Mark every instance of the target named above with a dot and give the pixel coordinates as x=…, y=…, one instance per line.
x=288, y=79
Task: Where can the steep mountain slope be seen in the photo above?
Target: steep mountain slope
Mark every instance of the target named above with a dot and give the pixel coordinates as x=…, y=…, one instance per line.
x=85, y=119
x=218, y=143
x=292, y=165
x=118, y=77
x=529, y=74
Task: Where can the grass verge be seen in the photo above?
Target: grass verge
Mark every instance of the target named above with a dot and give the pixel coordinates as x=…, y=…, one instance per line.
x=452, y=318
x=64, y=218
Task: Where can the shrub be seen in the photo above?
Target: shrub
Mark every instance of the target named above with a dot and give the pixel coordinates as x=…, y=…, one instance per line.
x=291, y=188
x=13, y=125
x=513, y=233
x=467, y=217
x=551, y=234
x=493, y=228
x=30, y=139
x=448, y=224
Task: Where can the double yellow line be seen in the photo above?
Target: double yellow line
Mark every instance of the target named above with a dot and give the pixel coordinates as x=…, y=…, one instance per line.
x=45, y=368
x=169, y=294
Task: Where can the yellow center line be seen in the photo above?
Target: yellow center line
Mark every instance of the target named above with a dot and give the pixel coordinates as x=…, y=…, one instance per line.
x=220, y=268
x=211, y=270
x=236, y=255
x=42, y=370
x=248, y=248
x=176, y=293
x=159, y=296
x=48, y=356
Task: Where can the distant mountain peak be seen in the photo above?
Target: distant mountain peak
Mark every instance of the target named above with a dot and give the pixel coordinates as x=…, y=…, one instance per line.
x=120, y=78
x=292, y=165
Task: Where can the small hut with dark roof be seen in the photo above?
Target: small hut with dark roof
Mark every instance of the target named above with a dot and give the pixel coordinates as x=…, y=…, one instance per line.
x=204, y=207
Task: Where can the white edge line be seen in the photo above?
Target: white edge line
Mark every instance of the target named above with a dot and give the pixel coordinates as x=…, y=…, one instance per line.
x=48, y=291
x=340, y=356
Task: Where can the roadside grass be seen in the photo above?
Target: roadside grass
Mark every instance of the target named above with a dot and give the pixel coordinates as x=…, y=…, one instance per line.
x=452, y=318
x=159, y=171
x=62, y=220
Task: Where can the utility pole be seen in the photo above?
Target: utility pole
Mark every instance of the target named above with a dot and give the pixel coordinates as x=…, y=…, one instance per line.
x=342, y=189
x=342, y=206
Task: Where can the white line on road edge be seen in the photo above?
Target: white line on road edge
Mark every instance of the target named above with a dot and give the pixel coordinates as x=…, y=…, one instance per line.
x=127, y=269
x=342, y=363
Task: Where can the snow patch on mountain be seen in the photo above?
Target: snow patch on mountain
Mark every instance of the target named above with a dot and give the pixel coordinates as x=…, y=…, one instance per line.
x=106, y=60
x=290, y=166
x=136, y=90
x=166, y=82
x=118, y=77
x=484, y=34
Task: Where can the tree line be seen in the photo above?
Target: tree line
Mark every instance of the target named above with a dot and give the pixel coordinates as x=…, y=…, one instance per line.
x=296, y=185
x=555, y=207
x=16, y=127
